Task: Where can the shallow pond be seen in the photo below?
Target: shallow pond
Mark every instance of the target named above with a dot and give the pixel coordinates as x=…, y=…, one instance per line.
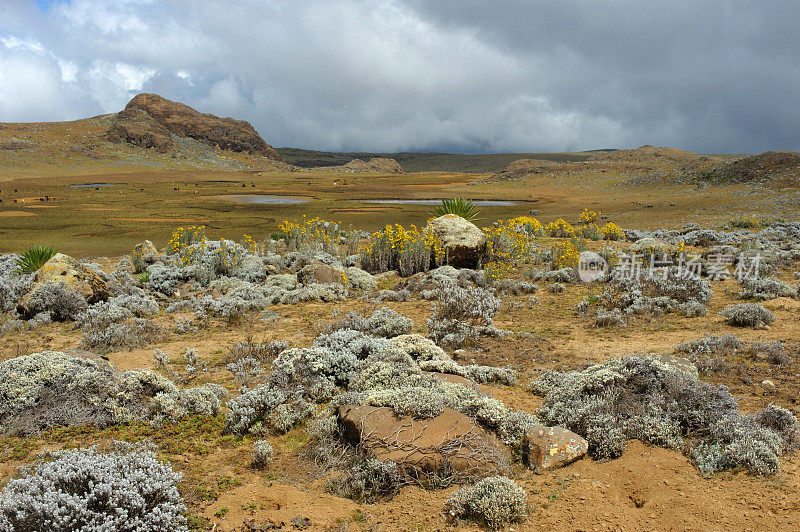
x=483, y=203
x=263, y=199
x=93, y=185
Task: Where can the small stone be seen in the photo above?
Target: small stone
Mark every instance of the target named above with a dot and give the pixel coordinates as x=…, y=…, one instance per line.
x=768, y=385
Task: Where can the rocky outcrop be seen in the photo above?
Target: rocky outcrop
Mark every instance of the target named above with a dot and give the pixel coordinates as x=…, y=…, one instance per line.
x=149, y=121
x=380, y=165
x=464, y=244
x=449, y=440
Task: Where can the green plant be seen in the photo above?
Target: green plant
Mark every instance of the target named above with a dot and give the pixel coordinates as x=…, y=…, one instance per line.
x=144, y=277
x=33, y=258
x=458, y=206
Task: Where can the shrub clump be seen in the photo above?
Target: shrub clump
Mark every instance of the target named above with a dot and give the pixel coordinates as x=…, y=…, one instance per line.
x=658, y=402
x=367, y=480
x=86, y=490
x=748, y=315
x=384, y=322
x=495, y=502
x=136, y=332
x=62, y=303
x=262, y=454
x=763, y=289
x=462, y=314
x=51, y=388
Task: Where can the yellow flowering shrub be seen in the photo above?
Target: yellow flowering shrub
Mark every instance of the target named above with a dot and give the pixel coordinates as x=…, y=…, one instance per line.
x=408, y=251
x=590, y=231
x=183, y=237
x=612, y=231
x=565, y=254
x=560, y=229
x=528, y=223
x=589, y=217
x=509, y=243
x=314, y=233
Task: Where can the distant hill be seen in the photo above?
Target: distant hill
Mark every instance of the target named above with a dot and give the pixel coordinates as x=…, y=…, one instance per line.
x=427, y=162
x=762, y=167
x=150, y=121
x=150, y=132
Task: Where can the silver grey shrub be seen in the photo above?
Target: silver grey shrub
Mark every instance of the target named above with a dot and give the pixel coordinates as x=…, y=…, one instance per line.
x=748, y=315
x=368, y=480
x=462, y=314
x=48, y=389
x=262, y=454
x=654, y=401
x=494, y=501
x=266, y=407
x=763, y=289
x=88, y=491
x=383, y=322
x=12, y=285
x=62, y=303
x=137, y=332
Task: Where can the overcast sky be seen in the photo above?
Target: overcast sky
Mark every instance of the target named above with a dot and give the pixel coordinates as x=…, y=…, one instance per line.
x=444, y=75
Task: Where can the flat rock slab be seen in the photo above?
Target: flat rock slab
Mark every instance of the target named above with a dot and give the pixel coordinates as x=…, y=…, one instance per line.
x=450, y=440
x=552, y=447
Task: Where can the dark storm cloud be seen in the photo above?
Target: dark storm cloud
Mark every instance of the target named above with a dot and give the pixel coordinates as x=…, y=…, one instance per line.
x=423, y=75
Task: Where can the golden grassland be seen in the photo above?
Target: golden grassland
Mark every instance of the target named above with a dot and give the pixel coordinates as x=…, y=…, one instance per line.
x=149, y=203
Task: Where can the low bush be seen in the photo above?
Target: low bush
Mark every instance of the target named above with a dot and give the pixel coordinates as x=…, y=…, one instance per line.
x=86, y=490
x=461, y=314
x=367, y=480
x=659, y=402
x=748, y=315
x=137, y=332
x=383, y=322
x=764, y=289
x=62, y=303
x=495, y=502
x=262, y=454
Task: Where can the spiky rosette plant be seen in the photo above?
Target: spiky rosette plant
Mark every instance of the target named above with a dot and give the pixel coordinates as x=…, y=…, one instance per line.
x=458, y=206
x=33, y=258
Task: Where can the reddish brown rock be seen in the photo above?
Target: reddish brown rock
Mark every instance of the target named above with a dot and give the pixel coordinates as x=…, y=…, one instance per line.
x=449, y=440
x=149, y=121
x=552, y=447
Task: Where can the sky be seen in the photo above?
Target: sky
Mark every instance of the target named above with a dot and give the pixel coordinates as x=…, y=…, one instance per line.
x=468, y=76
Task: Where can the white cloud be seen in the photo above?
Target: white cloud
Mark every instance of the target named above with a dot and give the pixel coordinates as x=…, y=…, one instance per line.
x=415, y=74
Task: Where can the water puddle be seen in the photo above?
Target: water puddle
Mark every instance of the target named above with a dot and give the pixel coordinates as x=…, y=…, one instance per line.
x=263, y=199
x=482, y=203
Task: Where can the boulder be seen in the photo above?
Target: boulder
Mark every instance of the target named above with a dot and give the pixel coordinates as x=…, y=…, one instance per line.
x=463, y=242
x=449, y=440
x=359, y=279
x=145, y=249
x=552, y=447
x=321, y=273
x=77, y=277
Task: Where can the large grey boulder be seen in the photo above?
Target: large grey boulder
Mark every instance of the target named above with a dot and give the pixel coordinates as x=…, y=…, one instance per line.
x=463, y=242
